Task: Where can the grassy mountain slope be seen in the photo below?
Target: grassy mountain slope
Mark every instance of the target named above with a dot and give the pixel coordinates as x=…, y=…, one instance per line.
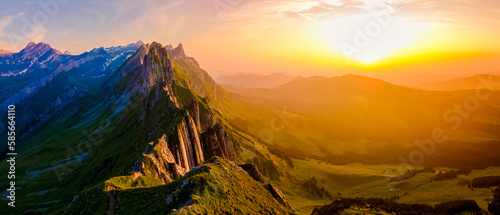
x=99, y=138
x=213, y=188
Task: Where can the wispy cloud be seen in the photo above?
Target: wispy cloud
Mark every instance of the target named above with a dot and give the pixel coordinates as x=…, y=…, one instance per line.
x=6, y=21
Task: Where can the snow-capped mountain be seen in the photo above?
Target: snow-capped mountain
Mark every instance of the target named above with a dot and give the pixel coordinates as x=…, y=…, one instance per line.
x=47, y=79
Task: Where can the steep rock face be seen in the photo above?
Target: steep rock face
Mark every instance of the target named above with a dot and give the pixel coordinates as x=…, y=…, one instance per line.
x=278, y=195
x=173, y=156
x=186, y=145
x=194, y=111
x=202, y=117
x=179, y=53
x=217, y=143
x=160, y=163
x=253, y=171
x=149, y=68
x=149, y=72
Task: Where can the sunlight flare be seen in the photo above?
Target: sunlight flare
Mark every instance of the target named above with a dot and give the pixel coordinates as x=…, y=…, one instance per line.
x=370, y=37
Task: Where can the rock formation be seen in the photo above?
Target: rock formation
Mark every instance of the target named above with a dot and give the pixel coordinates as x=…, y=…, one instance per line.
x=160, y=162
x=253, y=171
x=277, y=194
x=217, y=143
x=186, y=146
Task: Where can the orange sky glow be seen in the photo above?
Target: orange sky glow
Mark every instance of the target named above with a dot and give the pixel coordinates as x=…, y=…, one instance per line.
x=403, y=41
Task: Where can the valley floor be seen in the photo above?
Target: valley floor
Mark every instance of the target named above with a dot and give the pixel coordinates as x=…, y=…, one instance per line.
x=362, y=180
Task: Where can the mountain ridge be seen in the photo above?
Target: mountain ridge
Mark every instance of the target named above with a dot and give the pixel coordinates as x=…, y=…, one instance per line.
x=467, y=83
x=251, y=80
x=51, y=81
x=157, y=129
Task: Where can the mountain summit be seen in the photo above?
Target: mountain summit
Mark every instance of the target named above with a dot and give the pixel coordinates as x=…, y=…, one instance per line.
x=178, y=52
x=38, y=50
x=149, y=66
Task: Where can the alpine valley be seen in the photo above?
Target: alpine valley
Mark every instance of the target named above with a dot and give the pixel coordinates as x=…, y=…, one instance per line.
x=143, y=129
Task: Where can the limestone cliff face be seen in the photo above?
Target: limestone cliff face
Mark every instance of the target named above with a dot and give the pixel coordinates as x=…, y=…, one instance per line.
x=171, y=157
x=195, y=138
x=159, y=162
x=194, y=111
x=202, y=117
x=185, y=144
x=217, y=143
x=149, y=68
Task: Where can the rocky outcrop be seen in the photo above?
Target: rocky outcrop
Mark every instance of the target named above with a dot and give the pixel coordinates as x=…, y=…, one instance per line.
x=202, y=117
x=175, y=155
x=185, y=145
x=184, y=148
x=171, y=157
x=194, y=111
x=253, y=171
x=148, y=67
x=178, y=52
x=278, y=195
x=159, y=162
x=217, y=143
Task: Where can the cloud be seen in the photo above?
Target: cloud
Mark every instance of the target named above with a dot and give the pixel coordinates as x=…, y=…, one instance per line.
x=40, y=34
x=6, y=21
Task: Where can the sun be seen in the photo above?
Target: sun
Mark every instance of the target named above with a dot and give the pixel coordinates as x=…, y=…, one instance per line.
x=367, y=38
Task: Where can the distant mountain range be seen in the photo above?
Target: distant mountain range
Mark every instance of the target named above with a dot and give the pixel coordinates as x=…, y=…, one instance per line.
x=468, y=83
x=40, y=80
x=249, y=80
x=331, y=112
x=3, y=52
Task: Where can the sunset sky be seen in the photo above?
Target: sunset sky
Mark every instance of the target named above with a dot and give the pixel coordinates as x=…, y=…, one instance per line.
x=401, y=41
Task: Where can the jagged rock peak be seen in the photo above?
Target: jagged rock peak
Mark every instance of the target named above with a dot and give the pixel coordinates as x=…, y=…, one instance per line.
x=169, y=47
x=59, y=52
x=153, y=66
x=31, y=47
x=37, y=50
x=30, y=44
x=139, y=43
x=178, y=52
x=157, y=64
